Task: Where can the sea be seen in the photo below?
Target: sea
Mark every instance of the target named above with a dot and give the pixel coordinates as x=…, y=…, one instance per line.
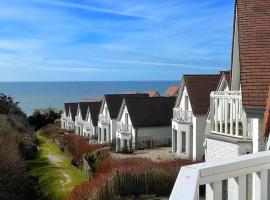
x=36, y=95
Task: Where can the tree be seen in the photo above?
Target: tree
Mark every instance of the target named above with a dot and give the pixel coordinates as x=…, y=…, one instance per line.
x=39, y=120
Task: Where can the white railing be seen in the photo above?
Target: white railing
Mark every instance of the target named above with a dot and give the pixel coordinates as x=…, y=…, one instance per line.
x=103, y=118
x=123, y=128
x=182, y=115
x=213, y=173
x=227, y=116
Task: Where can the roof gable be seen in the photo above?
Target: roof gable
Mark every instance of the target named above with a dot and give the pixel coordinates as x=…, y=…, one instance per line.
x=155, y=111
x=199, y=88
x=114, y=102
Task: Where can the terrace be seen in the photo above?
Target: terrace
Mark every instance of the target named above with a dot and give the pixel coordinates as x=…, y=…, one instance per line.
x=181, y=115
x=124, y=129
x=214, y=173
x=103, y=119
x=227, y=116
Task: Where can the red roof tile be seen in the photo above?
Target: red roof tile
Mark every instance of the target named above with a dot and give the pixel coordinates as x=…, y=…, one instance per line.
x=172, y=91
x=253, y=19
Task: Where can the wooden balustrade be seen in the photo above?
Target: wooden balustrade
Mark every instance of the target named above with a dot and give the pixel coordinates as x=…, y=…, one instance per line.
x=227, y=116
x=213, y=174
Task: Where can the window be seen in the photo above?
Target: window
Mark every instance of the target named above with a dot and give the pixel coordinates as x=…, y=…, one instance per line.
x=105, y=135
x=186, y=102
x=126, y=118
x=174, y=140
x=183, y=142
x=99, y=134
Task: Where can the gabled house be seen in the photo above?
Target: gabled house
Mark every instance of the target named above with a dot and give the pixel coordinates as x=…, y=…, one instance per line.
x=236, y=115
x=107, y=119
x=153, y=93
x=189, y=115
x=90, y=127
x=86, y=118
x=172, y=91
x=237, y=165
x=68, y=116
x=64, y=116
x=144, y=123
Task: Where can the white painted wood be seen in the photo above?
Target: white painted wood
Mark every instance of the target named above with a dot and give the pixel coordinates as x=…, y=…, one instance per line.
x=242, y=187
x=186, y=185
x=214, y=172
x=231, y=116
x=217, y=190
x=237, y=117
x=263, y=184
x=226, y=114
x=216, y=113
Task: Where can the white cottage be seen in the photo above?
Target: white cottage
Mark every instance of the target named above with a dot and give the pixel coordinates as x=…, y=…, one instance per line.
x=107, y=119
x=144, y=123
x=237, y=167
x=86, y=119
x=236, y=115
x=189, y=115
x=68, y=116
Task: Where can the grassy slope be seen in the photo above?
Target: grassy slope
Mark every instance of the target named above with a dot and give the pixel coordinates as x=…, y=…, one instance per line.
x=55, y=173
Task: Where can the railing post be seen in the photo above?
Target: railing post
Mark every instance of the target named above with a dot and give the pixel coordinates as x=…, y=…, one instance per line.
x=212, y=111
x=216, y=113
x=237, y=117
x=226, y=115
x=215, y=191
x=242, y=187
x=231, y=116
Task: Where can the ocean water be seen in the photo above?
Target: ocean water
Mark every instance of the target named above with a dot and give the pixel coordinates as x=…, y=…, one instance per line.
x=32, y=95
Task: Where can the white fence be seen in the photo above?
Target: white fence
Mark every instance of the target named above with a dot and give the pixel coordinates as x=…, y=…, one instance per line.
x=214, y=172
x=182, y=115
x=227, y=116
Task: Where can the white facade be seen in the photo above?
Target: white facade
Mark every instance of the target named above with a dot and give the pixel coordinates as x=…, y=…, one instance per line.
x=70, y=124
x=85, y=127
x=130, y=138
x=64, y=120
x=187, y=129
x=106, y=125
x=233, y=130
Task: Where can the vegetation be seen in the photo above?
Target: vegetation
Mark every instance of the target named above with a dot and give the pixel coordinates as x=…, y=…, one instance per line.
x=16, y=144
x=56, y=176
x=77, y=146
x=125, y=177
x=39, y=120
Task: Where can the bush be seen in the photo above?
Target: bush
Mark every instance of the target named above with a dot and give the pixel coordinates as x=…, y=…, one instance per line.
x=14, y=181
x=78, y=146
x=125, y=177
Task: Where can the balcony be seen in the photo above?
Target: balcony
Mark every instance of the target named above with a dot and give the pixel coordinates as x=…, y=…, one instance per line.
x=227, y=116
x=182, y=115
x=103, y=119
x=214, y=173
x=123, y=128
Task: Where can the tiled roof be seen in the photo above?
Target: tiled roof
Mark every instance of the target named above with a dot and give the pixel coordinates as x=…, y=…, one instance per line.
x=73, y=109
x=199, y=88
x=172, y=91
x=114, y=102
x=94, y=108
x=253, y=19
x=84, y=107
x=67, y=106
x=227, y=75
x=149, y=112
x=153, y=93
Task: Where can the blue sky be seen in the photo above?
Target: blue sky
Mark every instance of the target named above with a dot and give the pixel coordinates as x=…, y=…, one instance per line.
x=92, y=40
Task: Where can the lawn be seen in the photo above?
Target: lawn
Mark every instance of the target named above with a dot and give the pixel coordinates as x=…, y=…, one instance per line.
x=56, y=176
